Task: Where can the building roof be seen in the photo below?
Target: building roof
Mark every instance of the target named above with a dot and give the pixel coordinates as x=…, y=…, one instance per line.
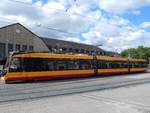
x=60, y=43
x=68, y=44
x=7, y=26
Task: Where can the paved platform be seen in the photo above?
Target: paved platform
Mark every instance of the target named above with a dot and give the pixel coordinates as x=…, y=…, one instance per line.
x=131, y=99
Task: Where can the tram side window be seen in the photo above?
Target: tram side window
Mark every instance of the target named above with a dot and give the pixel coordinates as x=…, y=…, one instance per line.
x=123, y=64
x=142, y=64
x=138, y=64
x=106, y=65
x=43, y=64
x=145, y=64
x=134, y=64
x=73, y=64
x=102, y=64
x=51, y=64
x=111, y=65
x=35, y=64
x=85, y=64
x=115, y=65
x=118, y=64
x=131, y=65
x=99, y=64
x=126, y=64
x=61, y=64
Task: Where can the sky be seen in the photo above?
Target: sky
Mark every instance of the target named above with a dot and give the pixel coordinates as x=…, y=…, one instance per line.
x=116, y=25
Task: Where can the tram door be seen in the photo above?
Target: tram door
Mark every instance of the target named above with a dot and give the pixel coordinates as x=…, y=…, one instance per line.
x=95, y=65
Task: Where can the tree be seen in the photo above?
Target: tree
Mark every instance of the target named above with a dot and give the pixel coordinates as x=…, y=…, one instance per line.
x=140, y=52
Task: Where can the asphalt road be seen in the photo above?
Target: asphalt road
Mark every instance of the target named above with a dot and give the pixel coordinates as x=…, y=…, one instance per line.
x=34, y=90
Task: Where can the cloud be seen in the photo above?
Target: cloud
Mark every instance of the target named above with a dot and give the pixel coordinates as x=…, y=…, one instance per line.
x=136, y=12
x=112, y=6
x=10, y=8
x=54, y=5
x=80, y=22
x=47, y=15
x=25, y=1
x=116, y=34
x=145, y=25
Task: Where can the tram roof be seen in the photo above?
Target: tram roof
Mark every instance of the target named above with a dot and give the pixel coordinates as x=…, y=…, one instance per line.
x=51, y=55
x=137, y=60
x=74, y=56
x=111, y=58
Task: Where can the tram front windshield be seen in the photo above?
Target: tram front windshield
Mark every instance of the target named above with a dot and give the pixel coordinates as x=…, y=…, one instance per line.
x=15, y=65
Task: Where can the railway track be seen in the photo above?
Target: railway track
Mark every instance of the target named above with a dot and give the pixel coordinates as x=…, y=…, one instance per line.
x=34, y=90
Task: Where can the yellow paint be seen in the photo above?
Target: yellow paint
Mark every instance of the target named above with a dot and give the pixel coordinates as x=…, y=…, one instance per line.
x=119, y=70
x=15, y=75
x=10, y=75
x=119, y=59
x=50, y=55
x=137, y=69
x=61, y=73
x=75, y=56
x=111, y=58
